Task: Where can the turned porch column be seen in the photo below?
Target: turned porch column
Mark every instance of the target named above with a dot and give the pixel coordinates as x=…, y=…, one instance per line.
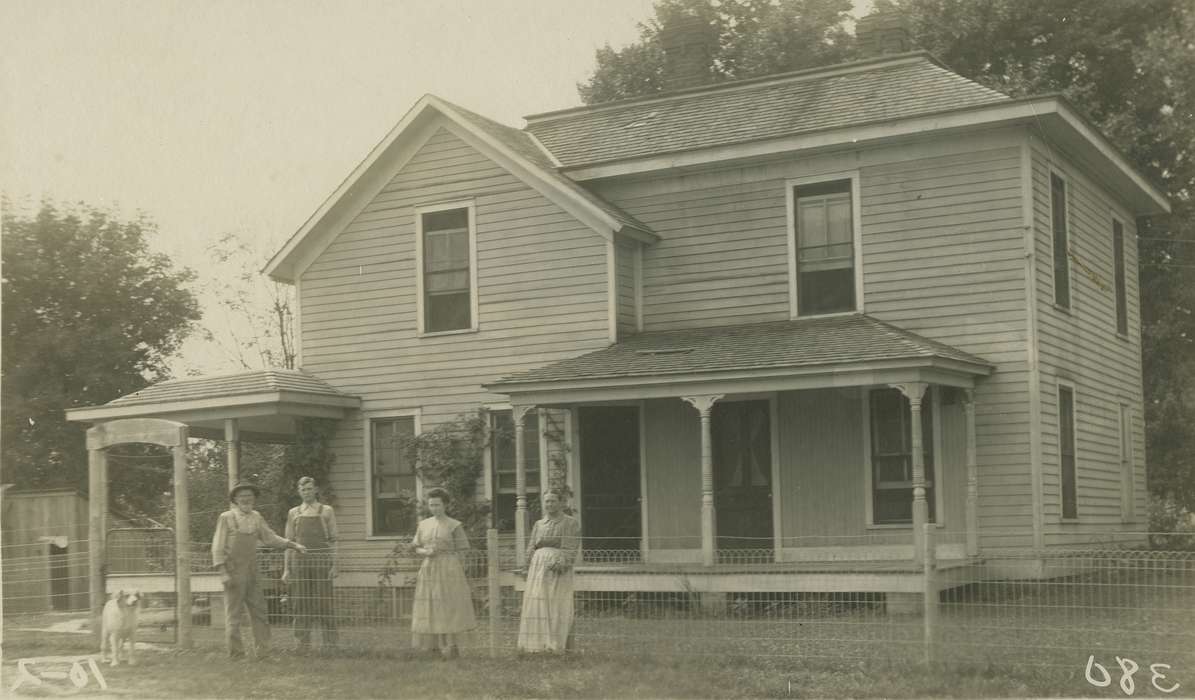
x=232, y=440
x=705, y=406
x=972, y=476
x=518, y=416
x=914, y=392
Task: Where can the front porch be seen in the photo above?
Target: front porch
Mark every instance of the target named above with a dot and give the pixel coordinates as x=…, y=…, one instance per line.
x=759, y=445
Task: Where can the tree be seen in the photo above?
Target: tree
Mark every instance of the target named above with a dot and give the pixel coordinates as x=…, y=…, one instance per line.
x=257, y=313
x=89, y=314
x=750, y=38
x=1128, y=66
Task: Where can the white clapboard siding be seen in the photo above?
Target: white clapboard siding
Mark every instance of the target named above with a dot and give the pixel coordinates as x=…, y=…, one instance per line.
x=943, y=256
x=1081, y=348
x=542, y=296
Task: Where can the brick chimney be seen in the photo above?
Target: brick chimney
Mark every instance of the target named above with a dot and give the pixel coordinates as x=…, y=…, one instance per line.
x=687, y=41
x=883, y=32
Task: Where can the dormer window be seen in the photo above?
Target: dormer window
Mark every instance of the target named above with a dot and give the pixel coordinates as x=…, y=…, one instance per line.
x=825, y=247
x=447, y=268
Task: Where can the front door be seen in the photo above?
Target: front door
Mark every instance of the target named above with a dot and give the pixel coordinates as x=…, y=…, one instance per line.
x=610, y=516
x=742, y=446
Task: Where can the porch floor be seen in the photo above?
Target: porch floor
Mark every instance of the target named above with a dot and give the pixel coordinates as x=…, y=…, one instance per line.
x=892, y=566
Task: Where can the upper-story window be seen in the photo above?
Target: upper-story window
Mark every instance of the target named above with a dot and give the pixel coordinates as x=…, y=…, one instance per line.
x=447, y=267
x=825, y=250
x=1122, y=306
x=1062, y=267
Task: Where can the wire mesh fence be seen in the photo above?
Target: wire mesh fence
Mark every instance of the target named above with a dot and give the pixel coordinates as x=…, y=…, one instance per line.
x=1117, y=597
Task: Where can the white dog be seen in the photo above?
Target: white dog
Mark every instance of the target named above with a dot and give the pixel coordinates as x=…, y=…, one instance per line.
x=120, y=625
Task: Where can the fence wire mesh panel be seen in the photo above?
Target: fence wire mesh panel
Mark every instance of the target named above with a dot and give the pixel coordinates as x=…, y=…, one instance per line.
x=855, y=601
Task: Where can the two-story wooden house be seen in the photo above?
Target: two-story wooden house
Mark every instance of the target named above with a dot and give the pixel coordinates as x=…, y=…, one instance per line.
x=789, y=319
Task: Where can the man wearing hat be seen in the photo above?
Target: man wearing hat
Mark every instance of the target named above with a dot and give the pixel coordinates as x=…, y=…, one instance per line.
x=234, y=555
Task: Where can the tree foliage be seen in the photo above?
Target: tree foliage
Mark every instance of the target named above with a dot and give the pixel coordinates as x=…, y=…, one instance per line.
x=1128, y=66
x=749, y=38
x=89, y=314
x=256, y=314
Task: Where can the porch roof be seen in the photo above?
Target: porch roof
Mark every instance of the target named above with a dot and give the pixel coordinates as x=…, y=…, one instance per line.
x=844, y=350
x=265, y=403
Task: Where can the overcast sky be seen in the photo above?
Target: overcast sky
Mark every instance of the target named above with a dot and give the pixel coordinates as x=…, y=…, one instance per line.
x=242, y=117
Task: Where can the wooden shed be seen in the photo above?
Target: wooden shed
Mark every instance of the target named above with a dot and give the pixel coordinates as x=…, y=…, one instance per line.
x=44, y=545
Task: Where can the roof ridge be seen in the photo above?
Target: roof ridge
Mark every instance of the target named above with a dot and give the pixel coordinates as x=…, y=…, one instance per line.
x=861, y=66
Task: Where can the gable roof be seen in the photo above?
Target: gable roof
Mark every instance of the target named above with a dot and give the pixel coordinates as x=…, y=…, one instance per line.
x=826, y=342
x=793, y=103
x=514, y=150
x=525, y=144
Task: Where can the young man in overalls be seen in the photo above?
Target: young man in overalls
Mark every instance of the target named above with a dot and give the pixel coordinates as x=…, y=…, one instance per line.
x=312, y=524
x=234, y=554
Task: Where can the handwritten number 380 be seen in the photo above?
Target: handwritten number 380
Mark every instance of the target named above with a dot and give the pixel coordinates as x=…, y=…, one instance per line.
x=1127, y=668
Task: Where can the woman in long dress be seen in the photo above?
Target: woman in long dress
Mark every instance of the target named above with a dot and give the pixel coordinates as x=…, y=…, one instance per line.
x=547, y=616
x=443, y=600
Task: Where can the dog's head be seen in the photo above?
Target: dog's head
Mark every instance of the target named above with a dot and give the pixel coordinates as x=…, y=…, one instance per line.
x=128, y=598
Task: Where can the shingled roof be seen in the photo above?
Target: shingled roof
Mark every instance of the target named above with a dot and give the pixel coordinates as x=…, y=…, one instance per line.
x=523, y=143
x=832, y=341
x=905, y=85
x=227, y=385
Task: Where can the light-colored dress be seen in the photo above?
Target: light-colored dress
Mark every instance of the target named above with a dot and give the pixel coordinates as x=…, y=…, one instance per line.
x=547, y=616
x=443, y=599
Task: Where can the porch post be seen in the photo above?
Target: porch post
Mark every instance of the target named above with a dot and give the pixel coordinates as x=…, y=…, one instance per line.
x=972, y=476
x=914, y=391
x=97, y=511
x=518, y=415
x=182, y=541
x=232, y=439
x=705, y=406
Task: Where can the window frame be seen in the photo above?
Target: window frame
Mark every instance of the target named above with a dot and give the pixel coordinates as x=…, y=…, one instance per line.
x=489, y=473
x=367, y=420
x=932, y=396
x=1066, y=240
x=1120, y=290
x=1074, y=451
x=791, y=186
x=420, y=305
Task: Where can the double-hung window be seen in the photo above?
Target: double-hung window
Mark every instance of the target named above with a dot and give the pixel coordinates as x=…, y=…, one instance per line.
x=892, y=456
x=1062, y=266
x=447, y=287
x=393, y=482
x=825, y=247
x=502, y=461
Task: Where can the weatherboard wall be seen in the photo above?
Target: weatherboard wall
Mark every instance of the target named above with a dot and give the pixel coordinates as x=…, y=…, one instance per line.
x=542, y=295
x=1081, y=348
x=943, y=256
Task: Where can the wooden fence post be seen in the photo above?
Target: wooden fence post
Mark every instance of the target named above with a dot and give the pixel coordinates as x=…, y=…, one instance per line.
x=495, y=591
x=930, y=589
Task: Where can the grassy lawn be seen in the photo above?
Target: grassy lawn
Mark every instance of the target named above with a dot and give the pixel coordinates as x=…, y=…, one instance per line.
x=206, y=673
x=1010, y=641
x=398, y=674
